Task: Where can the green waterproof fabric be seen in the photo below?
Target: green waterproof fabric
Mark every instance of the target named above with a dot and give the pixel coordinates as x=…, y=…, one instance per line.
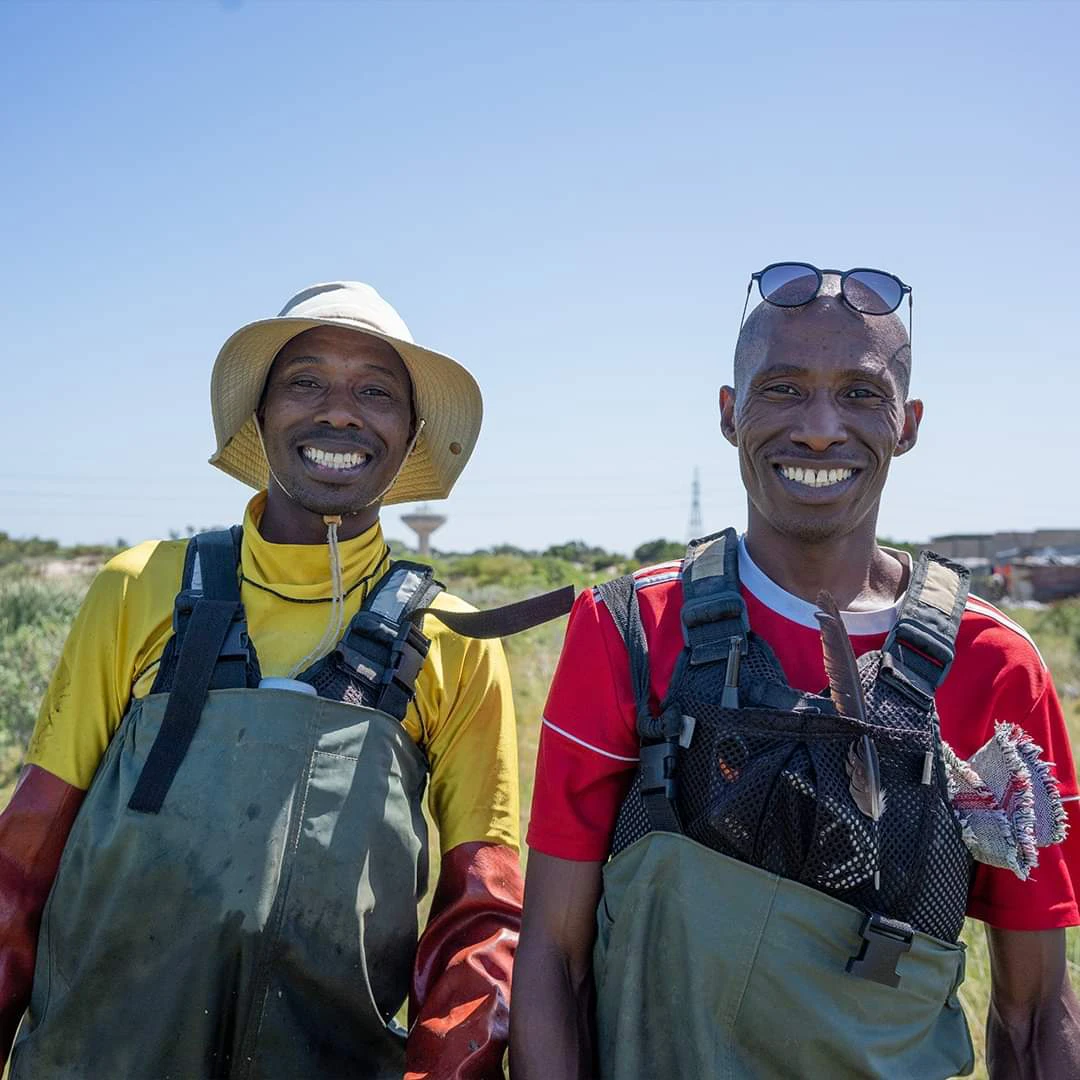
x=262, y=925
x=707, y=967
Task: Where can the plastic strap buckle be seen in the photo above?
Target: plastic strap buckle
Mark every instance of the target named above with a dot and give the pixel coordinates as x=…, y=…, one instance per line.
x=658, y=768
x=407, y=654
x=908, y=681
x=884, y=941
x=237, y=644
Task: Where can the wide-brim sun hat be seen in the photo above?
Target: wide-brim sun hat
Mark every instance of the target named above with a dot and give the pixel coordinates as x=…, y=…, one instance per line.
x=445, y=395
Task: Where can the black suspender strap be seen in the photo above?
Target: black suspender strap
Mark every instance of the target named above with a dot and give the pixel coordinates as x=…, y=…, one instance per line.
x=207, y=629
x=213, y=652
x=404, y=589
x=659, y=734
x=715, y=622
x=219, y=557
x=383, y=648
x=919, y=651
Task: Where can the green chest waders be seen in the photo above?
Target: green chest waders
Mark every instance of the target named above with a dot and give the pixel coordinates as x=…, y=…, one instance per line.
x=238, y=895
x=741, y=933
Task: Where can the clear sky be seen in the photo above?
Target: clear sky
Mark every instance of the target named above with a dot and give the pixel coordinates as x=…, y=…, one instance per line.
x=569, y=198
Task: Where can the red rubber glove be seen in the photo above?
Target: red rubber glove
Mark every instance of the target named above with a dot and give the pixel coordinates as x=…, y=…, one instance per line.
x=33, y=831
x=459, y=1006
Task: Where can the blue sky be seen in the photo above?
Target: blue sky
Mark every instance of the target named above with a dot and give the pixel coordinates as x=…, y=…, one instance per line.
x=569, y=198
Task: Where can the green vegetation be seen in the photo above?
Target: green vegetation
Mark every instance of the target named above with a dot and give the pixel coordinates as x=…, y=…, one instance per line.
x=36, y=610
x=658, y=551
x=34, y=618
x=19, y=555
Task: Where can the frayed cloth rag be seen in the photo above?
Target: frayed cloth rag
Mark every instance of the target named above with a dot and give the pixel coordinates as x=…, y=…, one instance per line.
x=1006, y=799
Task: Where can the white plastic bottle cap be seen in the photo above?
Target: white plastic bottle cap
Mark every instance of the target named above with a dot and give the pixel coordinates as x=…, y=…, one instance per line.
x=276, y=682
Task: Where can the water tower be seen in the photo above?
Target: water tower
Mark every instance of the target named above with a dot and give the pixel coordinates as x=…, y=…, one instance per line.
x=423, y=522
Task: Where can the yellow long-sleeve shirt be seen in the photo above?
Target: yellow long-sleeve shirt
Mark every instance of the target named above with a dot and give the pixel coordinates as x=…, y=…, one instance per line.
x=462, y=716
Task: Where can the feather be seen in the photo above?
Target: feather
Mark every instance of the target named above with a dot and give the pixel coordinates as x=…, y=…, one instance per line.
x=845, y=689
x=841, y=667
x=864, y=774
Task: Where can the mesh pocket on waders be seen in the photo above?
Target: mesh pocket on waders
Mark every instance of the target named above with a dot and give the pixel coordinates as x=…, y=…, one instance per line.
x=335, y=680
x=772, y=789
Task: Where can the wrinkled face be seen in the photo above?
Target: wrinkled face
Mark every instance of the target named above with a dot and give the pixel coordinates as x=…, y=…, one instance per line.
x=818, y=415
x=337, y=419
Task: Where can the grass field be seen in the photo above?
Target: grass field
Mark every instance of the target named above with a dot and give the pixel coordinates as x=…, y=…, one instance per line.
x=35, y=612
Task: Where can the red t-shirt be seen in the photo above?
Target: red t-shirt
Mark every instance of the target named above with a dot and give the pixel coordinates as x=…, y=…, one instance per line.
x=589, y=745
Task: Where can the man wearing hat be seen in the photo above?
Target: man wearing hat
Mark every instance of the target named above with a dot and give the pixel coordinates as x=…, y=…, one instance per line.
x=211, y=862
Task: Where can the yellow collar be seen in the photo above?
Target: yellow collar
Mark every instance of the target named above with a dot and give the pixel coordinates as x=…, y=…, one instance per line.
x=302, y=571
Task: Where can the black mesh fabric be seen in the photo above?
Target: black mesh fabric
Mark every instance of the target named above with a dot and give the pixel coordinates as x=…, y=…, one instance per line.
x=335, y=681
x=770, y=786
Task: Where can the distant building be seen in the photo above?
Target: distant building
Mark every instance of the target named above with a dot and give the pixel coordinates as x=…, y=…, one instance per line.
x=1041, y=565
x=992, y=545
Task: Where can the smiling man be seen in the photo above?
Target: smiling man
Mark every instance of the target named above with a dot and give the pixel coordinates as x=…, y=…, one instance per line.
x=734, y=872
x=230, y=761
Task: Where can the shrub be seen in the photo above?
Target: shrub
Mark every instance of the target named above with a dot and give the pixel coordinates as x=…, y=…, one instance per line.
x=34, y=619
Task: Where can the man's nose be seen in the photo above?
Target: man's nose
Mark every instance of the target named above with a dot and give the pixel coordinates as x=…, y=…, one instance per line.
x=819, y=425
x=339, y=409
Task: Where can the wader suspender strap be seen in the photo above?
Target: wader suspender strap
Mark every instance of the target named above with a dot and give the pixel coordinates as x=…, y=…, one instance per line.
x=715, y=622
x=919, y=651
x=659, y=745
x=383, y=647
x=205, y=635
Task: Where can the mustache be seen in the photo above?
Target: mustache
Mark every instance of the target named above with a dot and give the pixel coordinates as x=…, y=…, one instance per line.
x=339, y=440
x=816, y=460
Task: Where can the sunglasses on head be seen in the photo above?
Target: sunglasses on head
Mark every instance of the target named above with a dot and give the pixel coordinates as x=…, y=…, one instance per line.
x=793, y=284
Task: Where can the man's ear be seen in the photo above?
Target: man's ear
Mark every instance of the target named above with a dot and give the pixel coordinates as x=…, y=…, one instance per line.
x=727, y=414
x=909, y=434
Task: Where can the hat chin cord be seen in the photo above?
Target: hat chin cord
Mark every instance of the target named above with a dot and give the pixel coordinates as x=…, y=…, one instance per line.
x=335, y=625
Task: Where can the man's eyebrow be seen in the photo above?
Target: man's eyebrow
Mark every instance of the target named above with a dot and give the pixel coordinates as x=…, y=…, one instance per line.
x=293, y=361
x=774, y=371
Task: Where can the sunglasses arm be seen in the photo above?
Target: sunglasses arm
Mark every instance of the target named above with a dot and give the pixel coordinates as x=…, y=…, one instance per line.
x=746, y=302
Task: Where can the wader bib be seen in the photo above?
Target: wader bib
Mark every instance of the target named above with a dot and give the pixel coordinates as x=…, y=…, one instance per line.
x=238, y=895
x=740, y=931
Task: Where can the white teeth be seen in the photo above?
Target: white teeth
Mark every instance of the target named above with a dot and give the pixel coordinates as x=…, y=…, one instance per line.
x=334, y=461
x=816, y=477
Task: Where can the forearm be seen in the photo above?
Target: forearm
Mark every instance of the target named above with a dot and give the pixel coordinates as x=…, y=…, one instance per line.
x=1035, y=1044
x=460, y=1001
x=1033, y=1027
x=33, y=830
x=552, y=1024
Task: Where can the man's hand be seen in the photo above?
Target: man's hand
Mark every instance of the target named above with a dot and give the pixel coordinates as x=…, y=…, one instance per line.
x=551, y=1025
x=1033, y=1029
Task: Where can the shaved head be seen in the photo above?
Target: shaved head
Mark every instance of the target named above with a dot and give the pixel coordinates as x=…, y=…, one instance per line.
x=884, y=335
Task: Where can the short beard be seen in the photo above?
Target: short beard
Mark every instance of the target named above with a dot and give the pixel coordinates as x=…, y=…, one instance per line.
x=325, y=507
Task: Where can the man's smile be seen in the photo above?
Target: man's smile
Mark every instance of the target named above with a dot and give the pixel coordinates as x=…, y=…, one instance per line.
x=804, y=479
x=334, y=463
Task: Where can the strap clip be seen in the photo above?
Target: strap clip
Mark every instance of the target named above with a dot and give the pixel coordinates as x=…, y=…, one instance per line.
x=237, y=644
x=657, y=768
x=407, y=654
x=884, y=941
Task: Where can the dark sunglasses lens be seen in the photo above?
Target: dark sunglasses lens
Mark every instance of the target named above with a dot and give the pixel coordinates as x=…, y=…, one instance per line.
x=789, y=284
x=873, y=292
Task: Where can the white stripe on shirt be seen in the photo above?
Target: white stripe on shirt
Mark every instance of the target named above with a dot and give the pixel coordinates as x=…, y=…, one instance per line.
x=588, y=746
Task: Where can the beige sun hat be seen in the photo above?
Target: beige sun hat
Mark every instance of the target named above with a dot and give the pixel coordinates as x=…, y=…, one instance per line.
x=446, y=396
